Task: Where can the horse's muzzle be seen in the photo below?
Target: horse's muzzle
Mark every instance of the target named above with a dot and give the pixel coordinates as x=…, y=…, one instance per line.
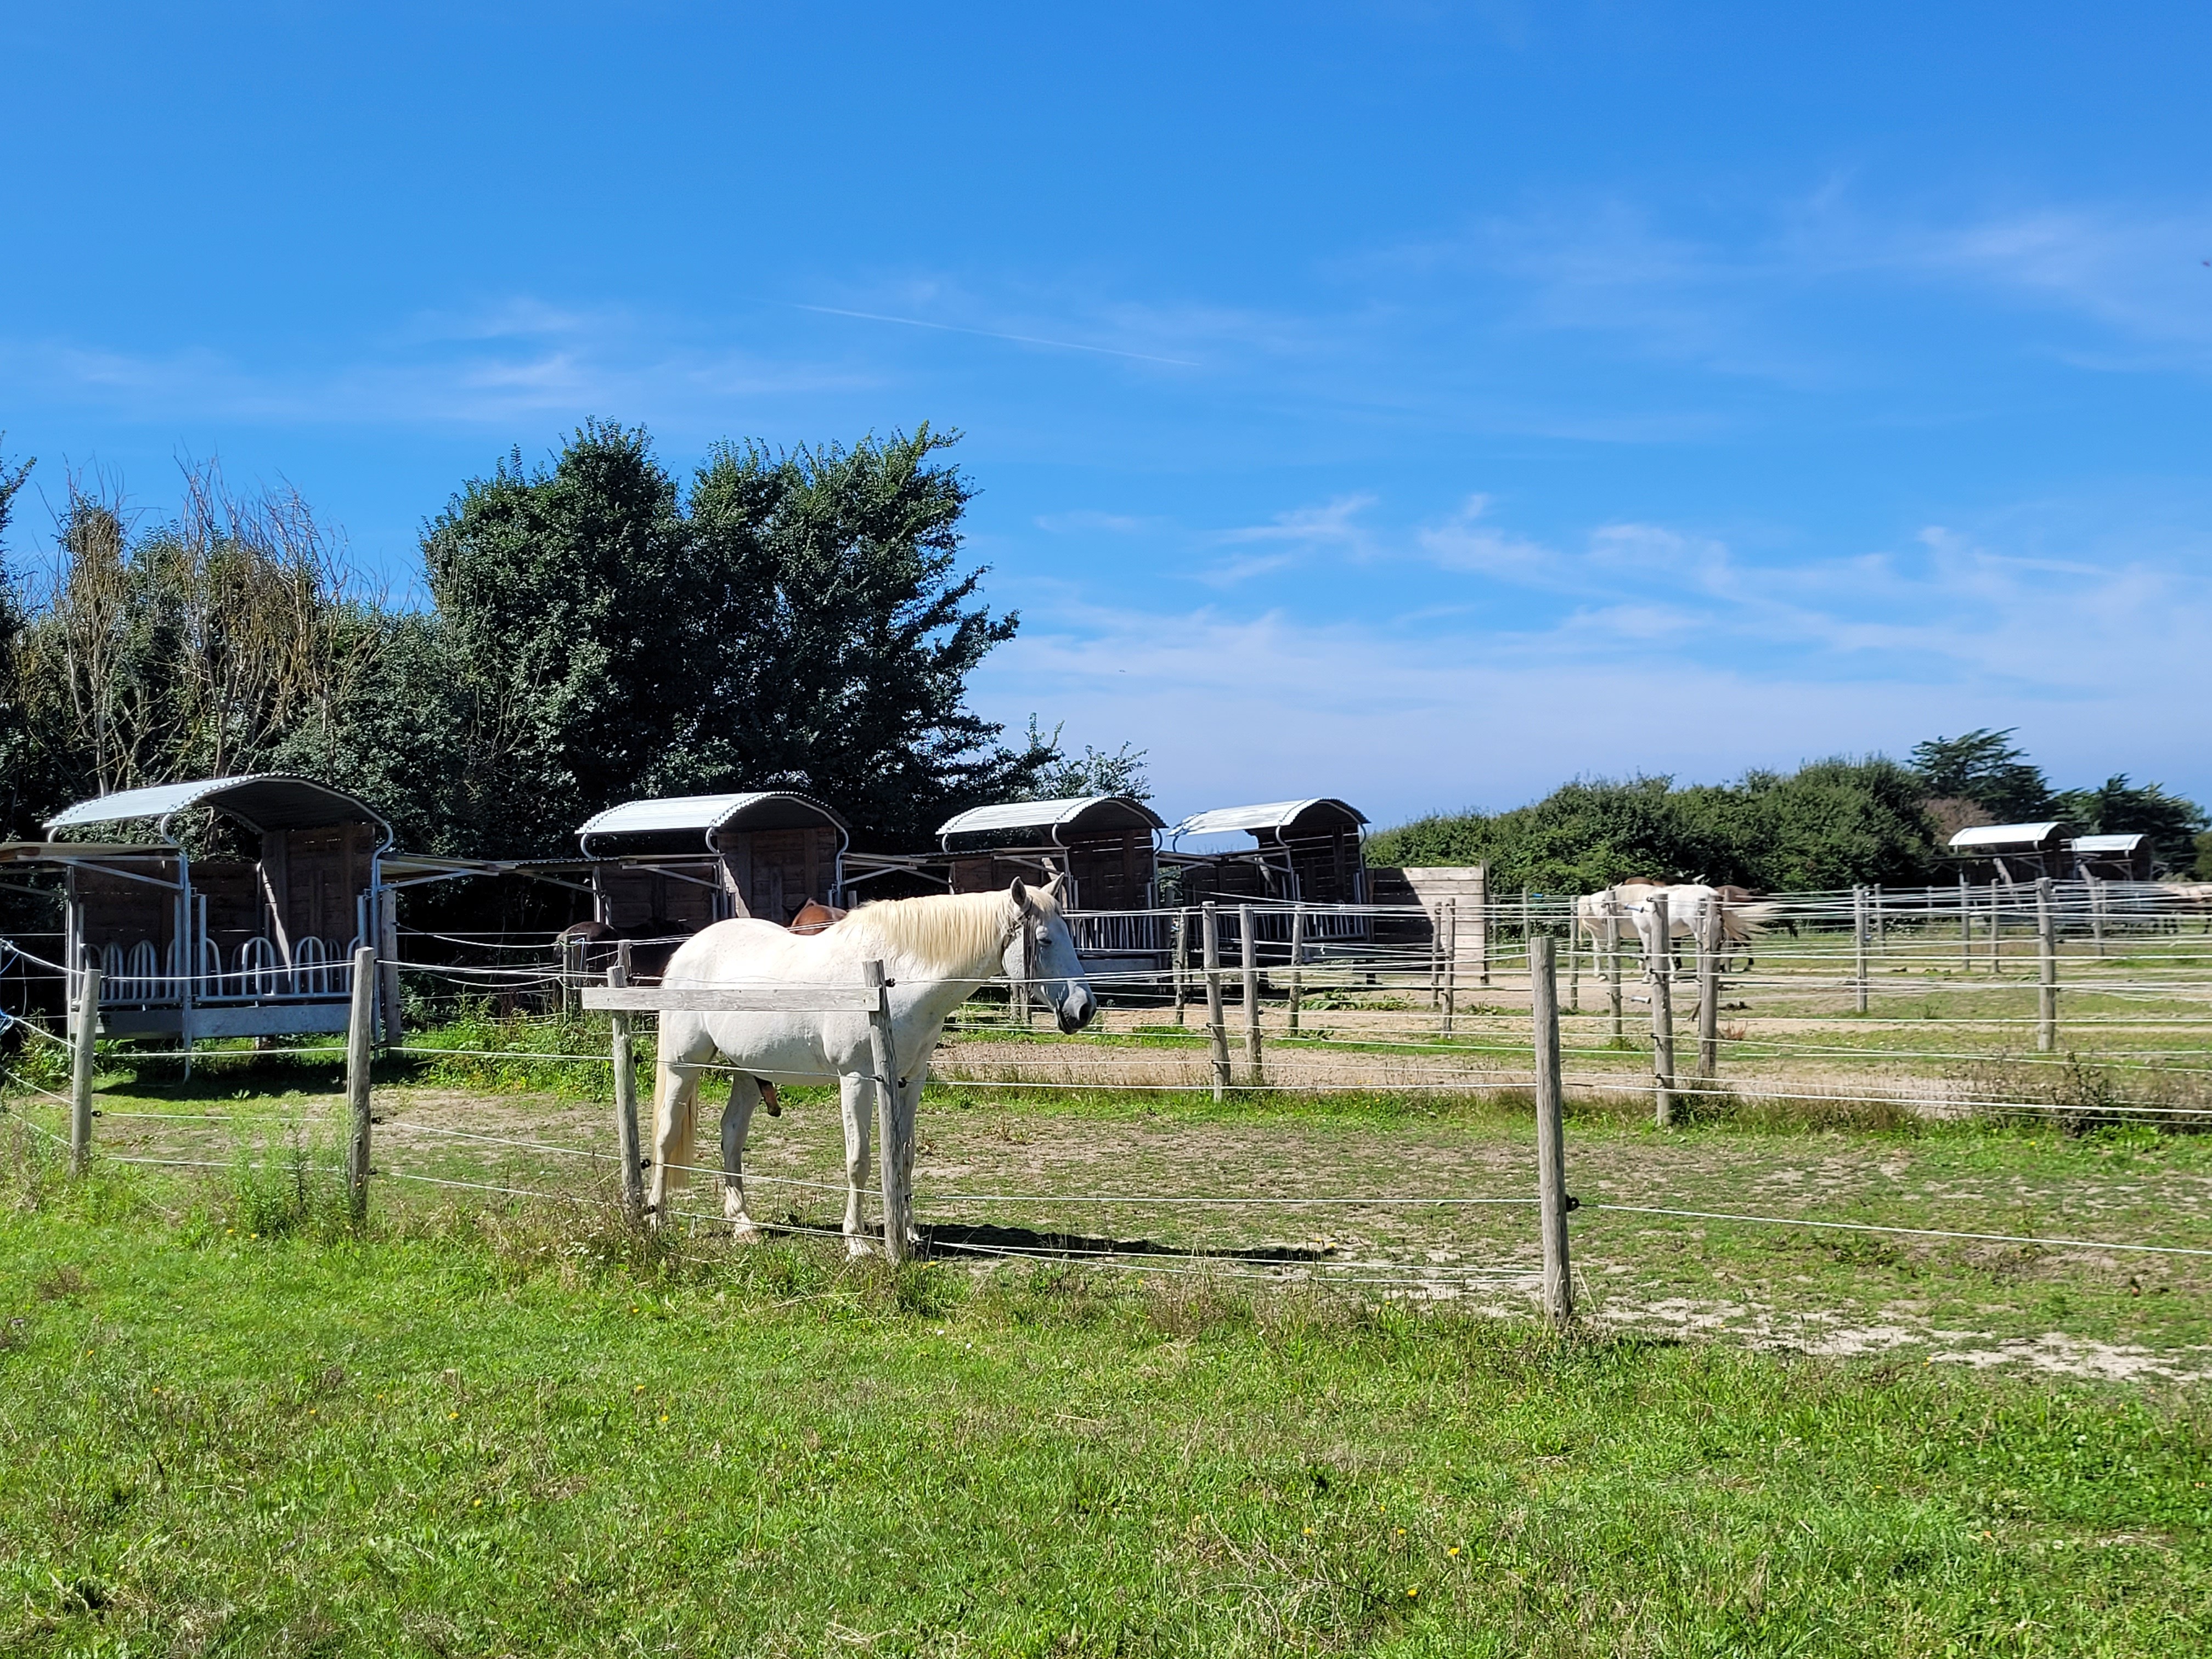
x=1077, y=1011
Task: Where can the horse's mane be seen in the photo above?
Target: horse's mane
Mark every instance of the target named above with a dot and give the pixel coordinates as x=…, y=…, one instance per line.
x=938, y=934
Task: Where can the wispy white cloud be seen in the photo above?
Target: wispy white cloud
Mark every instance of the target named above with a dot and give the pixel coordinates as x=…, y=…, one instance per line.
x=1652, y=648
x=492, y=374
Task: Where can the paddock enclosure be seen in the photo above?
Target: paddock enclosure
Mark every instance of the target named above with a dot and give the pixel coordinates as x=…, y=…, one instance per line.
x=1288, y=1088
x=1194, y=1131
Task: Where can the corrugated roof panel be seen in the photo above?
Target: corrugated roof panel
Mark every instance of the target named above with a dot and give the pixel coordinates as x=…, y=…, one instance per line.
x=765, y=809
x=269, y=800
x=2005, y=835
x=1272, y=815
x=2108, y=843
x=1080, y=811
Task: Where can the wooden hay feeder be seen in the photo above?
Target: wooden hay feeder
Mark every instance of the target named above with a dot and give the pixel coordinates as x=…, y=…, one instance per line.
x=1302, y=852
x=215, y=945
x=2113, y=857
x=2016, y=852
x=1103, y=842
x=672, y=866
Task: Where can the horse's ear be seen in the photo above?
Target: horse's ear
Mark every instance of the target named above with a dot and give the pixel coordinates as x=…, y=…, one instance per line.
x=1056, y=886
x=1020, y=893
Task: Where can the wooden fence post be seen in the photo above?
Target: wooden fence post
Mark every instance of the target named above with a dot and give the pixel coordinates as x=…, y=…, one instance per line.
x=1210, y=945
x=82, y=1038
x=1613, y=961
x=625, y=1058
x=572, y=976
x=891, y=1136
x=2093, y=887
x=361, y=1055
x=1298, y=962
x=1482, y=925
x=2047, y=990
x=1180, y=970
x=1451, y=964
x=1550, y=1134
x=1659, y=964
x=1709, y=990
x=1965, y=928
x=1996, y=930
x=1247, y=940
x=1859, y=948
x=1574, y=958
x=387, y=933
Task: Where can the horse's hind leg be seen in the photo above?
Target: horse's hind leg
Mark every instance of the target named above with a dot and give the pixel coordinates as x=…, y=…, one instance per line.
x=684, y=1046
x=736, y=1119
x=856, y=1093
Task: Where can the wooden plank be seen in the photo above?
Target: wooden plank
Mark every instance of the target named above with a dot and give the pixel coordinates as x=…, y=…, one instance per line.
x=732, y=999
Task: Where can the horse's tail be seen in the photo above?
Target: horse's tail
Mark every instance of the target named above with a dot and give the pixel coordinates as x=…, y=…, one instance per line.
x=675, y=1124
x=1742, y=923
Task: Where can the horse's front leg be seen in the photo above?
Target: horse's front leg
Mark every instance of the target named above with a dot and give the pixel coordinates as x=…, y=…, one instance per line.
x=909, y=1109
x=856, y=1094
x=736, y=1119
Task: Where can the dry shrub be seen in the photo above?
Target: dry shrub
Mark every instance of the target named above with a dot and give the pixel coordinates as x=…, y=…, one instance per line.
x=2080, y=1095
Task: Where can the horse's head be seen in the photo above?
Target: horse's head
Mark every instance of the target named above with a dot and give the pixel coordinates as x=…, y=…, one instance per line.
x=1042, y=951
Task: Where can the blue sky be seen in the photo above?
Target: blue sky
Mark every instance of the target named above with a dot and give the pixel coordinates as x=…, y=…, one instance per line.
x=1418, y=403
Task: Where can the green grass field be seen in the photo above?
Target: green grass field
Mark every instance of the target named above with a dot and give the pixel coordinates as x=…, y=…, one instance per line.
x=498, y=1425
x=500, y=1422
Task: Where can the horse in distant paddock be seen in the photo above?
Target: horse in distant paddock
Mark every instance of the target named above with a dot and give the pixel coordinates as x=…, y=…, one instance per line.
x=1690, y=906
x=935, y=951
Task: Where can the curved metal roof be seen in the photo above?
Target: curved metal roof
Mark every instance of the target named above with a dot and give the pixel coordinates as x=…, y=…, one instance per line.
x=260, y=800
x=2008, y=834
x=1273, y=815
x=2108, y=843
x=703, y=815
x=1055, y=818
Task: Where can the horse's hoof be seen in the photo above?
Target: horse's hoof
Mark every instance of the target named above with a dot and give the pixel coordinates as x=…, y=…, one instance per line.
x=858, y=1248
x=744, y=1231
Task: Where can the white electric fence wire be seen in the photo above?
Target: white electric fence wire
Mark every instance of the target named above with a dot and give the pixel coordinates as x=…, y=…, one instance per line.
x=25, y=1083
x=1916, y=1232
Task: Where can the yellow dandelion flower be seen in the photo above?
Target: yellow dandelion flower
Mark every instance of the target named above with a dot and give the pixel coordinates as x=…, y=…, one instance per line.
x=1453, y=1550
x=451, y=1415
x=1412, y=1589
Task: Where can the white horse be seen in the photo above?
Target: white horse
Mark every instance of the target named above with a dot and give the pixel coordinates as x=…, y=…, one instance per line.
x=935, y=952
x=1692, y=907
x=1591, y=910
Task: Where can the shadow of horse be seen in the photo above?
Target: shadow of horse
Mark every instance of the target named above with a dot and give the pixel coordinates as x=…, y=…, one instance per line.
x=984, y=1239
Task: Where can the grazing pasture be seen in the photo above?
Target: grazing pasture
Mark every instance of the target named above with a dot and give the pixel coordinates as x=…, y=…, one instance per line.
x=1864, y=1362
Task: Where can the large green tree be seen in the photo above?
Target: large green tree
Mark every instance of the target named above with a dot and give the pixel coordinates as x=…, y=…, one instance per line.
x=1985, y=768
x=1828, y=825
x=800, y=621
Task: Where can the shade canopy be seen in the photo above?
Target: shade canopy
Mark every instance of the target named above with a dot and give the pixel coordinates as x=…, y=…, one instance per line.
x=2109, y=843
x=1314, y=816
x=707, y=815
x=260, y=801
x=2008, y=834
x=1053, y=821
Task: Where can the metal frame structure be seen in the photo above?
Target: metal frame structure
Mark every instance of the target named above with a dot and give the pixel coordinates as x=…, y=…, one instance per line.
x=224, y=948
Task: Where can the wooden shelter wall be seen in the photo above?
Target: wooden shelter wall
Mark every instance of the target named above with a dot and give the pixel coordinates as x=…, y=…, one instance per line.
x=118, y=910
x=775, y=871
x=642, y=895
x=315, y=877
